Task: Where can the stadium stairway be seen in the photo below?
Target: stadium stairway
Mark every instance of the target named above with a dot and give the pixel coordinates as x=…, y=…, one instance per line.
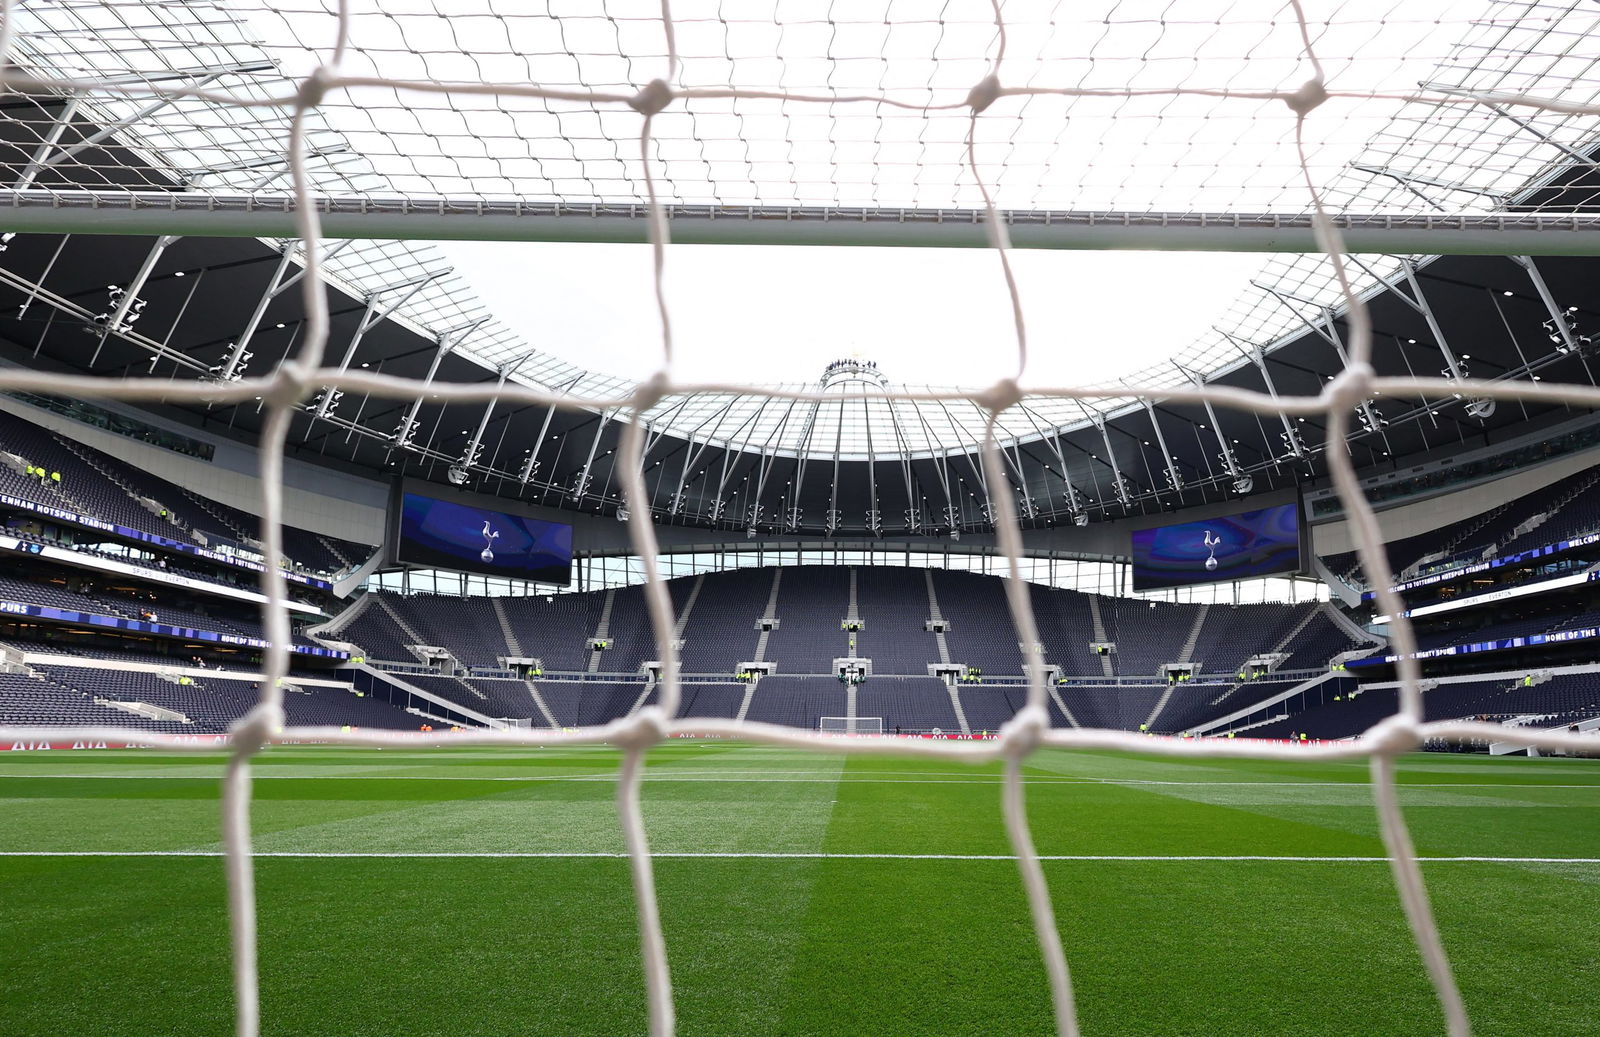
x=769, y=615
x=513, y=646
x=749, y=695
x=1099, y=634
x=602, y=629
x=1066, y=712
x=540, y=704
x=955, y=705
x=938, y=617
x=1186, y=653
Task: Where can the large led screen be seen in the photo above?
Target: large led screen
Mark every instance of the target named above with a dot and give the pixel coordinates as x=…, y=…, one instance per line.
x=442, y=534
x=1232, y=547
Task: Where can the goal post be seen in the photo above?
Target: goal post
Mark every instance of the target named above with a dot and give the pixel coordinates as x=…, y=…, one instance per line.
x=850, y=725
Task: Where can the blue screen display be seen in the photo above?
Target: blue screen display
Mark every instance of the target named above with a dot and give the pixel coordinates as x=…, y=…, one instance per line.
x=441, y=534
x=1231, y=547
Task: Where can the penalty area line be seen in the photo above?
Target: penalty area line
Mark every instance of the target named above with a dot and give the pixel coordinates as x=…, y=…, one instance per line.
x=756, y=855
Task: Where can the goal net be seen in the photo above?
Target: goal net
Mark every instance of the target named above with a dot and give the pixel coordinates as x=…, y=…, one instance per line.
x=1097, y=125
x=850, y=725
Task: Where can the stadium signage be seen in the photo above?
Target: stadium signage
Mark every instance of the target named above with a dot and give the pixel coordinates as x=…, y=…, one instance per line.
x=25, y=745
x=129, y=533
x=1494, y=563
x=17, y=608
x=1499, y=595
x=88, y=561
x=1531, y=640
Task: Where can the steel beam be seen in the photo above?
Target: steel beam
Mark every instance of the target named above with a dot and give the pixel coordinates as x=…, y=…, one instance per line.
x=448, y=341
x=469, y=456
x=202, y=214
x=1118, y=484
x=1242, y=483
x=1560, y=323
x=1257, y=356
x=117, y=320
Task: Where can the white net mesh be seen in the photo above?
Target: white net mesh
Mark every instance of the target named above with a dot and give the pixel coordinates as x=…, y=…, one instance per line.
x=636, y=106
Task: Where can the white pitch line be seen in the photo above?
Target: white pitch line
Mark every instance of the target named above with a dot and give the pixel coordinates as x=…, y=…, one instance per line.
x=661, y=777
x=738, y=855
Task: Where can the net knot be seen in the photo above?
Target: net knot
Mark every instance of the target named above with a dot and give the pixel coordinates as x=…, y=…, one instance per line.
x=314, y=87
x=257, y=727
x=1394, y=735
x=652, y=98
x=648, y=728
x=1002, y=395
x=1022, y=734
x=985, y=93
x=651, y=391
x=1350, y=387
x=289, y=386
x=1309, y=97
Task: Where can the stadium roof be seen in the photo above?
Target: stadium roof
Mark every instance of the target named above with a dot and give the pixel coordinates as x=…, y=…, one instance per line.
x=1148, y=155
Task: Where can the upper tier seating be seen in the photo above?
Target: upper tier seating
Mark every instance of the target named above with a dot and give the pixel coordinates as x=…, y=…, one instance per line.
x=1066, y=627
x=1576, y=510
x=1147, y=633
x=981, y=633
x=633, y=639
x=105, y=486
x=893, y=606
x=812, y=601
x=721, y=632
x=1232, y=634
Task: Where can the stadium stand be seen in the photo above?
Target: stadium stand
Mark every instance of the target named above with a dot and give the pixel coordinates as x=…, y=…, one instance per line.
x=719, y=615
x=797, y=701
x=894, y=635
x=981, y=633
x=1558, y=511
x=721, y=632
x=99, y=485
x=908, y=703
x=812, y=602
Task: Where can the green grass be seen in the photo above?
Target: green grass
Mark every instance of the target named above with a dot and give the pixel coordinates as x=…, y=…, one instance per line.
x=808, y=942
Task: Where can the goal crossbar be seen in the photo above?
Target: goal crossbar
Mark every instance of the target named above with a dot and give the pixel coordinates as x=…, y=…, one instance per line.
x=147, y=213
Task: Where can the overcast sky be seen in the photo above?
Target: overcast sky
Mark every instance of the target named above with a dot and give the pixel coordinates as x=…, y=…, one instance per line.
x=765, y=314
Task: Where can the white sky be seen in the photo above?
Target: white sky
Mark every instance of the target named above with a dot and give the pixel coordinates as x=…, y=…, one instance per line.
x=935, y=316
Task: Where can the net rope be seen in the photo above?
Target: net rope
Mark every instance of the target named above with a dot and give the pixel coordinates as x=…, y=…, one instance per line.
x=298, y=378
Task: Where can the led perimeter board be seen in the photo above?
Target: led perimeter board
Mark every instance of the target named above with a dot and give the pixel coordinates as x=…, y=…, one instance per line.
x=1229, y=547
x=444, y=534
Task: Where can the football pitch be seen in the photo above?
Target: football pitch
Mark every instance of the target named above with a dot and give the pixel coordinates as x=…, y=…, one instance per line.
x=484, y=892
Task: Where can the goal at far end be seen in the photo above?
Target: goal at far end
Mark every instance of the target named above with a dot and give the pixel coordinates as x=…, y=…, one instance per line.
x=850, y=725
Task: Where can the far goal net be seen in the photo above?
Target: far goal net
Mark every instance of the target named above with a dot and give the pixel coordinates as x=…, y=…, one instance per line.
x=850, y=725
